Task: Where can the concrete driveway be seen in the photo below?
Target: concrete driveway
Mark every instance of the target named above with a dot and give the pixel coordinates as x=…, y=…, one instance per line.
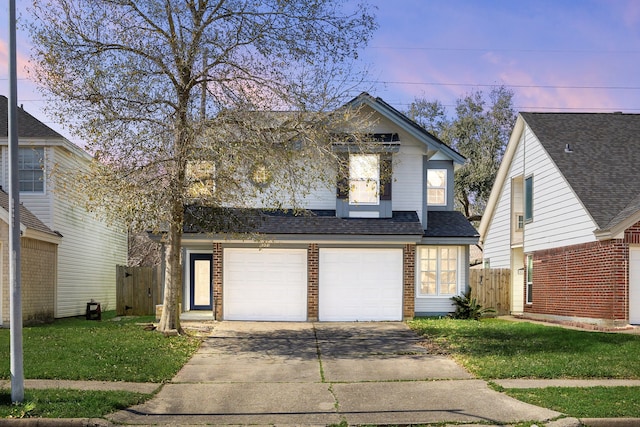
x=323, y=373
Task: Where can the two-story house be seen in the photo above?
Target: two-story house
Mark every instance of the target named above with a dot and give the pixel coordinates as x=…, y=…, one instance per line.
x=564, y=216
x=384, y=245
x=90, y=248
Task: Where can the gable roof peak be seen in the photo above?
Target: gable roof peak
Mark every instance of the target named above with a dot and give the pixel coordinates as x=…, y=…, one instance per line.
x=601, y=165
x=400, y=119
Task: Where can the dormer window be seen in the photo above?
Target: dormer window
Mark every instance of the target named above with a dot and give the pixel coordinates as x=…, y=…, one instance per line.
x=364, y=179
x=437, y=187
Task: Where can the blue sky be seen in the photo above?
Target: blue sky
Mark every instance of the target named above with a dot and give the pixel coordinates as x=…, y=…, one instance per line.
x=556, y=55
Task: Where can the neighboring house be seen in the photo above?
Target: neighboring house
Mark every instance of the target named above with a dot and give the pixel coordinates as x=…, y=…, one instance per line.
x=399, y=251
x=90, y=249
x=564, y=215
x=39, y=254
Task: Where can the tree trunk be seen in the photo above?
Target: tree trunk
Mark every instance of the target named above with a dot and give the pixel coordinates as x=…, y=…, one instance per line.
x=170, y=319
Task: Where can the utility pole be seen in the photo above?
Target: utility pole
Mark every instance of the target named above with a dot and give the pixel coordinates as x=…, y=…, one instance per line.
x=15, y=304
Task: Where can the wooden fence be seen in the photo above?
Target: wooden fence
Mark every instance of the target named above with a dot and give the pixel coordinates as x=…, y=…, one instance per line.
x=492, y=288
x=138, y=290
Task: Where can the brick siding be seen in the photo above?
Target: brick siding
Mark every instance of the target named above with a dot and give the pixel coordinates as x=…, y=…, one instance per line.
x=582, y=281
x=38, y=279
x=313, y=266
x=217, y=280
x=409, y=281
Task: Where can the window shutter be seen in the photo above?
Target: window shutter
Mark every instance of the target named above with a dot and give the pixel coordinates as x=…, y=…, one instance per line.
x=342, y=185
x=386, y=176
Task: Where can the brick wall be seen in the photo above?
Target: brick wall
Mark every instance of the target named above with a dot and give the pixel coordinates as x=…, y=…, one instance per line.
x=38, y=278
x=409, y=280
x=38, y=272
x=313, y=267
x=582, y=281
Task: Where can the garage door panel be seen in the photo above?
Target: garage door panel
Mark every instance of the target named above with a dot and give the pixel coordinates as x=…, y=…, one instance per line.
x=267, y=284
x=360, y=284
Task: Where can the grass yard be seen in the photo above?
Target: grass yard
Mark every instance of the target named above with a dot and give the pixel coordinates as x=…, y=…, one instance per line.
x=60, y=403
x=78, y=349
x=591, y=402
x=107, y=350
x=494, y=348
x=497, y=349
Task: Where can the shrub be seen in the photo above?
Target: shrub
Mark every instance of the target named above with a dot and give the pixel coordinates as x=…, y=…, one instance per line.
x=468, y=308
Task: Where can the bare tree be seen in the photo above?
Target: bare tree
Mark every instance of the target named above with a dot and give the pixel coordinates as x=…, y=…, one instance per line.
x=178, y=100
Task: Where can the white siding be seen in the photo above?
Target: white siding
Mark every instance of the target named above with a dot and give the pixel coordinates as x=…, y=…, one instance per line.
x=559, y=219
x=407, y=184
x=89, y=252
x=498, y=241
x=407, y=179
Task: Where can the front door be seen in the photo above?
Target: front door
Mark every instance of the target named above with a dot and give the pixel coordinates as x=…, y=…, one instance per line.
x=201, y=283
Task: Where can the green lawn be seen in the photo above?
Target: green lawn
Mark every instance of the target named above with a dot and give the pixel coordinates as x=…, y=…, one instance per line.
x=107, y=350
x=496, y=349
x=78, y=349
x=591, y=402
x=60, y=403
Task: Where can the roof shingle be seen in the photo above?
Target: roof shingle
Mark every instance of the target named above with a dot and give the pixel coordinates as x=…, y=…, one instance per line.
x=27, y=218
x=28, y=126
x=603, y=168
x=202, y=219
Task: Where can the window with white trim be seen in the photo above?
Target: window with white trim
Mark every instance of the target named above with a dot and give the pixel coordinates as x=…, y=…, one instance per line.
x=31, y=169
x=364, y=179
x=529, y=279
x=437, y=187
x=528, y=199
x=438, y=271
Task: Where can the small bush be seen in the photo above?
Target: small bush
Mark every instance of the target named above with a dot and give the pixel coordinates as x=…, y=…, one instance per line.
x=468, y=308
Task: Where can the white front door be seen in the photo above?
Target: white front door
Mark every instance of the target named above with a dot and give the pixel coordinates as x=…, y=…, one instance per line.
x=264, y=284
x=634, y=285
x=360, y=284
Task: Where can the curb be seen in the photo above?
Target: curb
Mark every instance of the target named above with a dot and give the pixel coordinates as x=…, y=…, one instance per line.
x=610, y=422
x=55, y=422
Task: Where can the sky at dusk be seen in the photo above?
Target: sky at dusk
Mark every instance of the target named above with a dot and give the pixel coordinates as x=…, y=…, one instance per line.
x=556, y=55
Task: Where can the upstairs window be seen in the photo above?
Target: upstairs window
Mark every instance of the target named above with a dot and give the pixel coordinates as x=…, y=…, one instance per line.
x=364, y=179
x=528, y=199
x=31, y=169
x=437, y=187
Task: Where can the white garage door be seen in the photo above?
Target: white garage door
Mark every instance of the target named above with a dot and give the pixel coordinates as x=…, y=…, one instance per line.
x=360, y=284
x=266, y=284
x=634, y=285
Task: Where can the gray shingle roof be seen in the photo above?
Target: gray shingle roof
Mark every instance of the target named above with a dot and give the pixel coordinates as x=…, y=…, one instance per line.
x=604, y=167
x=448, y=224
x=27, y=218
x=199, y=219
x=28, y=126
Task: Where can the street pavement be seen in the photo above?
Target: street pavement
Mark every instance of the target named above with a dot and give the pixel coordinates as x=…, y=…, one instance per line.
x=324, y=373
